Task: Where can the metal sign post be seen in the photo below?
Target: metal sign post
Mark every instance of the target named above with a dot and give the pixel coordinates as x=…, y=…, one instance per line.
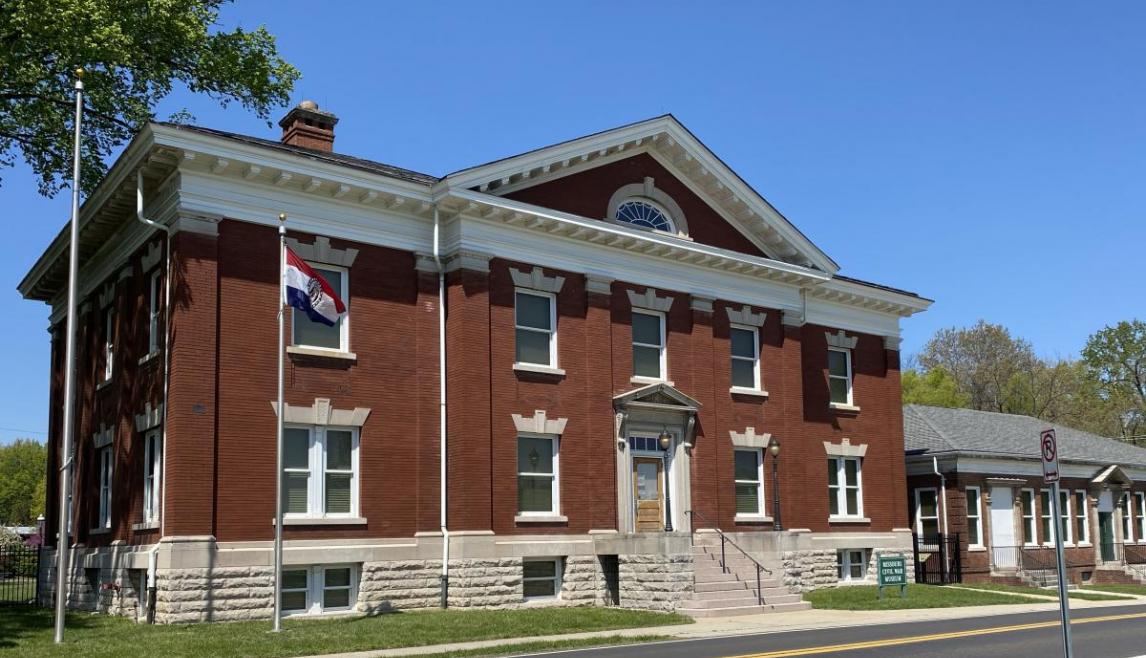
x=1048, y=449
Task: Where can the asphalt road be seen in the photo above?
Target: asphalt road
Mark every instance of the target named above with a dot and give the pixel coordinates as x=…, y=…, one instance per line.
x=1114, y=632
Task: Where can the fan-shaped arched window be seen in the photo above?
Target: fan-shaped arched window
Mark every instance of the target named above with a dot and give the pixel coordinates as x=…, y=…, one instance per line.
x=643, y=214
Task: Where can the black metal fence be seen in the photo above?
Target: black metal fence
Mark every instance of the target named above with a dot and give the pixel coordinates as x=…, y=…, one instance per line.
x=937, y=559
x=19, y=569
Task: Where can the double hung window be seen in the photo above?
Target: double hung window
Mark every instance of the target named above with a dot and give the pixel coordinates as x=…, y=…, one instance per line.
x=845, y=495
x=537, y=483
x=1127, y=519
x=1046, y=526
x=974, y=517
x=927, y=512
x=1081, y=522
x=649, y=345
x=155, y=294
x=1064, y=524
x=851, y=564
x=1140, y=515
x=745, y=348
x=309, y=333
x=749, y=476
x=840, y=375
x=105, y=475
x=535, y=328
x=320, y=472
x=152, y=475
x=1028, y=503
x=108, y=343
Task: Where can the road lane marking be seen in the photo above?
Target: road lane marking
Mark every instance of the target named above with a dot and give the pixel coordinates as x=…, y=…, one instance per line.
x=891, y=642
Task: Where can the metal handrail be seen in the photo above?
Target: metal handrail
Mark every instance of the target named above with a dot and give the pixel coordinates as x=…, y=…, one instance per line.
x=725, y=540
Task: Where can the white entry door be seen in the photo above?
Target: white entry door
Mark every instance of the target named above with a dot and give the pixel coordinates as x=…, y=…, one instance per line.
x=1004, y=547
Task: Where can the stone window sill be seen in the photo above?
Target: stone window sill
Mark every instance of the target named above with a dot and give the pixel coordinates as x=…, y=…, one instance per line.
x=848, y=519
x=536, y=369
x=976, y=549
x=540, y=518
x=333, y=520
x=150, y=356
x=752, y=392
x=645, y=381
x=99, y=531
x=752, y=518
x=319, y=353
x=846, y=408
x=144, y=527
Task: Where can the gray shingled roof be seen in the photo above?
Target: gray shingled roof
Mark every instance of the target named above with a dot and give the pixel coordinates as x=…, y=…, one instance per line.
x=940, y=430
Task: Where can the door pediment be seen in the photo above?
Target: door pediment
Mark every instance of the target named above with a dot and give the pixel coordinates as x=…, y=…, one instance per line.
x=661, y=397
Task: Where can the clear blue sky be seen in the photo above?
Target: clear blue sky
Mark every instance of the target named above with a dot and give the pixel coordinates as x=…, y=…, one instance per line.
x=989, y=155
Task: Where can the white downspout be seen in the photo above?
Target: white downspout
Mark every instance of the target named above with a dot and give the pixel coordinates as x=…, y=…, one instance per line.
x=445, y=577
x=942, y=491
x=152, y=553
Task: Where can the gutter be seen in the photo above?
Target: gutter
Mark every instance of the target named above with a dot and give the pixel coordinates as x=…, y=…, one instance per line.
x=152, y=553
x=445, y=577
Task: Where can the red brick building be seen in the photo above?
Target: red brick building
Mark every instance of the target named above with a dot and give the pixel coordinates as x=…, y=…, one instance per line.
x=626, y=326
x=977, y=476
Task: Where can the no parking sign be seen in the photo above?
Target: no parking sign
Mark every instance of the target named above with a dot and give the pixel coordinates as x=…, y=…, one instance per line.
x=1048, y=448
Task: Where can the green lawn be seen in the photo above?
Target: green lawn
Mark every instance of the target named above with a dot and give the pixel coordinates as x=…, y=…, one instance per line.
x=28, y=631
x=866, y=597
x=1140, y=590
x=1021, y=589
x=553, y=645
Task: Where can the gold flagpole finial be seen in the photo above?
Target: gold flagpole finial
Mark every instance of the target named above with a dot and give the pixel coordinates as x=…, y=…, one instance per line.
x=80, y=72
x=282, y=216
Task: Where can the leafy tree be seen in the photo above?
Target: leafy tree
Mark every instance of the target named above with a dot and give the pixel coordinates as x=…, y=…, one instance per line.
x=935, y=387
x=985, y=361
x=1116, y=358
x=134, y=52
x=23, y=478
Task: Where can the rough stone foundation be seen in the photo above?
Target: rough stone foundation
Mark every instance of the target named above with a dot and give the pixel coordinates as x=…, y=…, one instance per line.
x=655, y=582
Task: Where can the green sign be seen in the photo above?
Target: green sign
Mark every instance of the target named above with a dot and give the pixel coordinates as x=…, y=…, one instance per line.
x=892, y=573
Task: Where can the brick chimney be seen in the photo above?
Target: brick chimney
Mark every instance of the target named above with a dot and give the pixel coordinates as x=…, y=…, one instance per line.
x=309, y=127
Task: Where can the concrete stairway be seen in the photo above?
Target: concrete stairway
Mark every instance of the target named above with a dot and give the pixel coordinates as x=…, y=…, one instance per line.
x=720, y=594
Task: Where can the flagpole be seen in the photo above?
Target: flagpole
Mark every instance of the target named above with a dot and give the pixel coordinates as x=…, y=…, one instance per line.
x=65, y=454
x=279, y=437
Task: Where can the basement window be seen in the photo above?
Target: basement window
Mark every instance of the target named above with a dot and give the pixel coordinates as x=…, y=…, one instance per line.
x=851, y=563
x=541, y=578
x=319, y=589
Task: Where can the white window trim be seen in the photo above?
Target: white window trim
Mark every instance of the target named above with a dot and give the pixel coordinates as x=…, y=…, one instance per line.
x=663, y=347
x=759, y=482
x=152, y=474
x=552, y=298
x=1084, y=514
x=1140, y=514
x=555, y=512
x=1125, y=504
x=316, y=470
x=316, y=586
x=756, y=384
x=978, y=515
x=1032, y=519
x=1047, y=512
x=842, y=487
x=558, y=578
x=848, y=361
x=106, y=464
x=344, y=326
x=919, y=510
x=153, y=342
x=1065, y=513
x=108, y=343
x=844, y=562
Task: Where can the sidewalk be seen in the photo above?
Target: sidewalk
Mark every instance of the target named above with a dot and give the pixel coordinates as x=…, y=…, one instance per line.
x=786, y=622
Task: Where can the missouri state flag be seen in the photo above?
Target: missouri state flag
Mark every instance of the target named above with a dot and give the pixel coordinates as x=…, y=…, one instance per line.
x=310, y=293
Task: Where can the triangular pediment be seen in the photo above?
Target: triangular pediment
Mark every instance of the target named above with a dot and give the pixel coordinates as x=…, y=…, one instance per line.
x=1113, y=474
x=661, y=395
x=676, y=150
